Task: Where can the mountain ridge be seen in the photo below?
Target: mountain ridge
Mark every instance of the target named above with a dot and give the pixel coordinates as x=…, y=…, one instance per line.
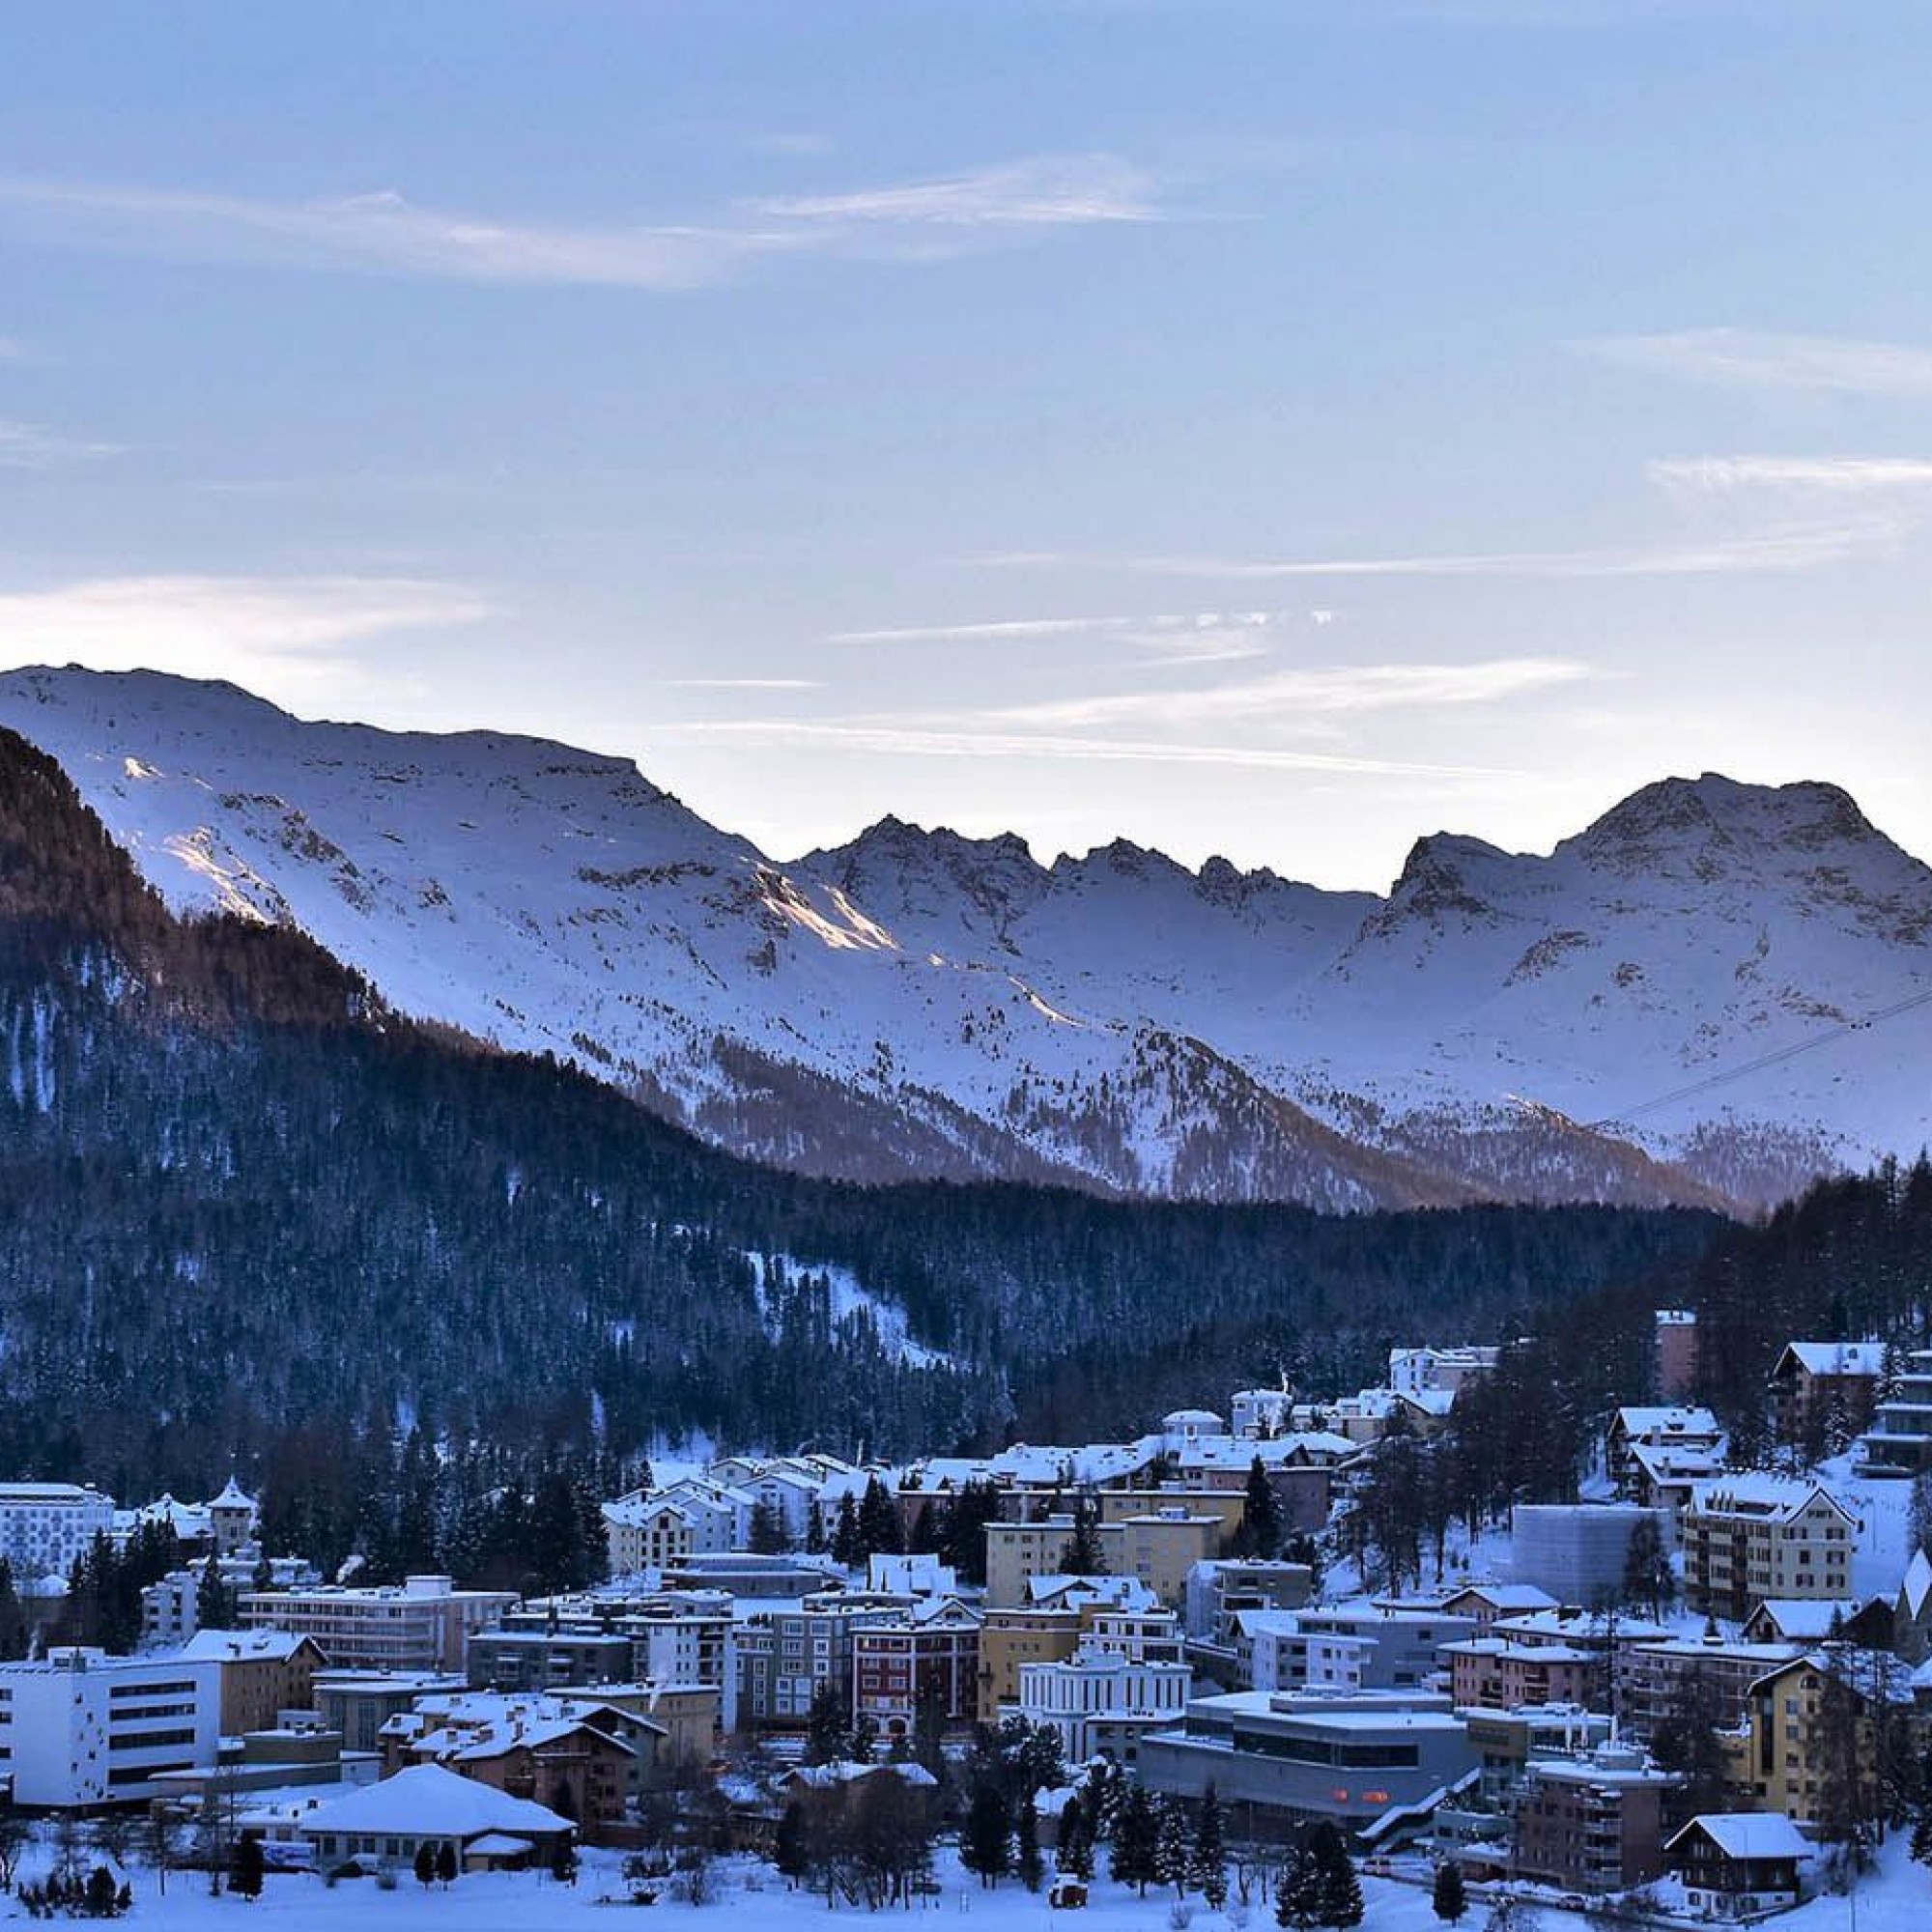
x=919, y=1002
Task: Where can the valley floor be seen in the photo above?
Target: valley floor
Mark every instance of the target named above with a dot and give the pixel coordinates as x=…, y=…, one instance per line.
x=1896, y=1897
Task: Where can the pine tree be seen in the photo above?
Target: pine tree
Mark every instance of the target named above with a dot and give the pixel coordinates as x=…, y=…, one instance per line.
x=1449, y=1898
x=1170, y=1845
x=1135, y=1830
x=1300, y=1899
x=986, y=1842
x=792, y=1851
x=1027, y=1861
x=1341, y=1891
x=1261, y=1529
x=828, y=1726
x=1083, y=1556
x=1207, y=1859
x=1074, y=1853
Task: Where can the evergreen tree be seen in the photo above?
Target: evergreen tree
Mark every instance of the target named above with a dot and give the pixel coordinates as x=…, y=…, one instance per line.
x=986, y=1842
x=445, y=1863
x=1027, y=1861
x=1074, y=1853
x=1083, y=1556
x=1136, y=1830
x=424, y=1864
x=1448, y=1897
x=1170, y=1845
x=828, y=1725
x=1341, y=1891
x=1300, y=1897
x=1648, y=1584
x=1207, y=1857
x=848, y=1551
x=12, y=1618
x=214, y=1606
x=1262, y=1530
x=878, y=1523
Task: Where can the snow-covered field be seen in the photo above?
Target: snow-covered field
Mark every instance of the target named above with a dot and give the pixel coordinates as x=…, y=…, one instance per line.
x=1896, y=1897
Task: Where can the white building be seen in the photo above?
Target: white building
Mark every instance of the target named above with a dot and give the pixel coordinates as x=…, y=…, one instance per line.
x=424, y=1625
x=45, y=1526
x=1097, y=1701
x=660, y=1528
x=83, y=1728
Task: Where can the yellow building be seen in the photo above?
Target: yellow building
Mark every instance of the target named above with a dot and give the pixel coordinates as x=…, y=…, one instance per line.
x=1011, y=1638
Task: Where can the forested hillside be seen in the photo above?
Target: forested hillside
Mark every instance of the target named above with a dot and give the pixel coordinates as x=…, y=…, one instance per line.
x=245, y=1208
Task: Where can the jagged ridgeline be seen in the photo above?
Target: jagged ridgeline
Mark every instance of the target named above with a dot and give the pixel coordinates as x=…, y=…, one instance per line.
x=240, y=1196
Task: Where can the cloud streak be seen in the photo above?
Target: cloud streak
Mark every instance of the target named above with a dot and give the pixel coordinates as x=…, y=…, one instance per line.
x=1830, y=476
x=290, y=633
x=31, y=446
x=1808, y=546
x=1759, y=359
x=932, y=742
x=1318, y=693
x=385, y=233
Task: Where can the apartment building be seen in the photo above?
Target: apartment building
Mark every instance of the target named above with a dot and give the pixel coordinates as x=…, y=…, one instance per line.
x=80, y=1729
x=425, y=1624
x=1596, y=1823
x=261, y=1673
x=45, y=1526
x=1097, y=1701
x=896, y=1666
x=1752, y=1536
x=785, y=1655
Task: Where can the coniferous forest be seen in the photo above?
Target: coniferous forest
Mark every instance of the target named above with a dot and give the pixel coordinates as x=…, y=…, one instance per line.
x=252, y=1216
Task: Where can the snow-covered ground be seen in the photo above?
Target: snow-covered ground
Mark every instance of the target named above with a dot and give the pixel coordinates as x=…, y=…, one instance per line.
x=1896, y=1897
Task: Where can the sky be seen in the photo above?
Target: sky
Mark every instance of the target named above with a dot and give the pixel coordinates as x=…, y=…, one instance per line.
x=1271, y=428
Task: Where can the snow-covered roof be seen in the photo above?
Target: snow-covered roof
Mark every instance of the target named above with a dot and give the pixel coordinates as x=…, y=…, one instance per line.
x=426, y=1800
x=1747, y=1835
x=1760, y=1494
x=1837, y=1358
x=1675, y=1419
x=1802, y=1618
x=246, y=1646
x=844, y=1773
x=233, y=1496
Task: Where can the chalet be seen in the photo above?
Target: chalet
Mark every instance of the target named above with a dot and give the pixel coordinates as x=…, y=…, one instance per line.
x=1739, y=1864
x=1823, y=1392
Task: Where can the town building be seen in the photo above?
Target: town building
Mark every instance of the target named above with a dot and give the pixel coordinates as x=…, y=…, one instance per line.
x=1739, y=1866
x=1673, y=1427
x=1674, y=1353
x=79, y=1728
x=1822, y=1393
x=1281, y=1762
x=1490, y=1673
x=785, y=1654
x=1578, y=1551
x=929, y=1659
x=1752, y=1536
x=1899, y=1441
x=357, y=1703
x=425, y=1624
x=1097, y=1701
x=261, y=1674
x=1594, y=1823
x=44, y=1527
x=386, y=1825
x=1786, y=1760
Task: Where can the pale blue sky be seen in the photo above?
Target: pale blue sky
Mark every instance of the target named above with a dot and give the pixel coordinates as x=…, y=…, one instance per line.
x=1274, y=429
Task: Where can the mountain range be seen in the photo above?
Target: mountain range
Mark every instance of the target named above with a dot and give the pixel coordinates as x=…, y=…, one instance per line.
x=1712, y=993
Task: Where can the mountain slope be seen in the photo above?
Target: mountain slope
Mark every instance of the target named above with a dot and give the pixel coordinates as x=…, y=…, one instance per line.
x=248, y=1206
x=920, y=1003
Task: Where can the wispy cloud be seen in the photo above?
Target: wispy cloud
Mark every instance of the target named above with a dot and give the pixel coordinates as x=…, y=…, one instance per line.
x=286, y=634
x=1797, y=546
x=384, y=233
x=32, y=446
x=744, y=684
x=886, y=737
x=1316, y=692
x=1830, y=476
x=1752, y=358
x=1054, y=192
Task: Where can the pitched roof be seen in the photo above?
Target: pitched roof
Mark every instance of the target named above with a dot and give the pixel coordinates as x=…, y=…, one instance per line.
x=1747, y=1835
x=1834, y=1358
x=426, y=1802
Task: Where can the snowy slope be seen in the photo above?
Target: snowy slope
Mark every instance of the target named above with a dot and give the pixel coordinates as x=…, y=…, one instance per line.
x=917, y=1001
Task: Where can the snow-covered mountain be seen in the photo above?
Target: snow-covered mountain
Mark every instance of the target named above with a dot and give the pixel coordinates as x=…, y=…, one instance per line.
x=1714, y=965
